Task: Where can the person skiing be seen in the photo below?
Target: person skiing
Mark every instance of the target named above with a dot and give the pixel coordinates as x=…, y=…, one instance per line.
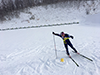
x=66, y=41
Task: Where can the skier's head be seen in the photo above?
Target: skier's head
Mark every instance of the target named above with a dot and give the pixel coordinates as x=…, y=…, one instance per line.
x=62, y=34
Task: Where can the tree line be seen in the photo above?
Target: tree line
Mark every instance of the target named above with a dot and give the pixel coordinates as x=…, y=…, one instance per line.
x=12, y=8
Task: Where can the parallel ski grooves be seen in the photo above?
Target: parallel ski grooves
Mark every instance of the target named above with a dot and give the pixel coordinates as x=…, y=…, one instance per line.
x=84, y=56
x=74, y=61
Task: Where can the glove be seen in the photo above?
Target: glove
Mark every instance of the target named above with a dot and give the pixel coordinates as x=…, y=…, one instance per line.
x=53, y=33
x=72, y=37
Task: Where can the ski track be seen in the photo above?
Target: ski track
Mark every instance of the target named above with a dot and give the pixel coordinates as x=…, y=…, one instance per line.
x=33, y=55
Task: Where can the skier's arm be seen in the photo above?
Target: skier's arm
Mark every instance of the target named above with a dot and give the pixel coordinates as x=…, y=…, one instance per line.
x=71, y=36
x=56, y=34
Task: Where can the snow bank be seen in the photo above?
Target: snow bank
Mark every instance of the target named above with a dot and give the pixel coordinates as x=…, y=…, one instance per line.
x=43, y=16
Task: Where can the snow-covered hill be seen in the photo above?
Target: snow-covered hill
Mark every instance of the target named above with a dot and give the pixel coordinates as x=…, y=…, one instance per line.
x=32, y=52
x=42, y=16
x=93, y=19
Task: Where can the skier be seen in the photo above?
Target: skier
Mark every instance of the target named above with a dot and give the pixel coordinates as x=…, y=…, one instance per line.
x=66, y=41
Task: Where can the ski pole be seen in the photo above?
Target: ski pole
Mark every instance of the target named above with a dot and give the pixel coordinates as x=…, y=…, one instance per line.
x=55, y=46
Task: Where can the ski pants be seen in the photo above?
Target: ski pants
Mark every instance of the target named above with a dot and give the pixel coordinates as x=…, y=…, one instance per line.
x=66, y=46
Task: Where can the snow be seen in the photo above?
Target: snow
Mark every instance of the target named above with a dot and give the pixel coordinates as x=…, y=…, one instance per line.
x=51, y=16
x=32, y=52
x=94, y=19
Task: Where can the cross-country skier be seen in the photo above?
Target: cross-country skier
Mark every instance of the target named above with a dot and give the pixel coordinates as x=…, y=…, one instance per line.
x=66, y=41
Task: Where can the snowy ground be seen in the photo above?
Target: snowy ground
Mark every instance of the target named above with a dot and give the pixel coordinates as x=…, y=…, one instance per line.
x=31, y=51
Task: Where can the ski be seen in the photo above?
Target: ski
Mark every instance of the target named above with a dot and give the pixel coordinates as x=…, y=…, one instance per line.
x=74, y=61
x=83, y=56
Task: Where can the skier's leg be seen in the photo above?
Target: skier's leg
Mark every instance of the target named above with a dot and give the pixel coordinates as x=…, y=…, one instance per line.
x=72, y=46
x=66, y=46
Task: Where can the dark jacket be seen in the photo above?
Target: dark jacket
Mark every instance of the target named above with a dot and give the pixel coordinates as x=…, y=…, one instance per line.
x=65, y=38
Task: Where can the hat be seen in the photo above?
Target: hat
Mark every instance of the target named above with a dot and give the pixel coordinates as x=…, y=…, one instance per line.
x=61, y=33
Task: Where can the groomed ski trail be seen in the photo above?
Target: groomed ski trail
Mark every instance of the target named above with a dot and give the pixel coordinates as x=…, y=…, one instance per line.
x=31, y=51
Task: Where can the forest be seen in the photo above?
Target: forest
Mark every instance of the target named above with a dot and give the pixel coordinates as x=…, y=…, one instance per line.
x=12, y=8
